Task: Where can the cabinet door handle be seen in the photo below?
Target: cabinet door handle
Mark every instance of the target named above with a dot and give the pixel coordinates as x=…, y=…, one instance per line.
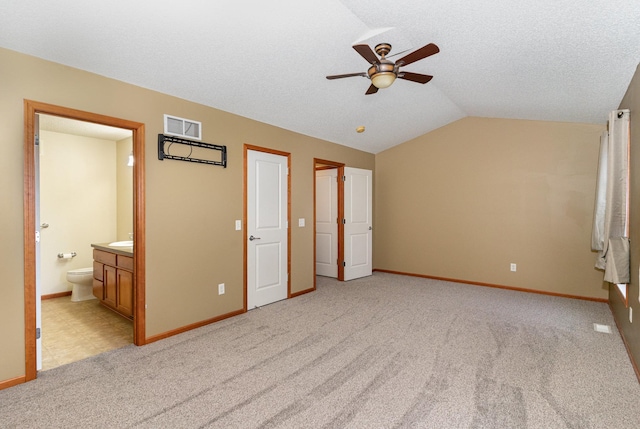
x=254, y=238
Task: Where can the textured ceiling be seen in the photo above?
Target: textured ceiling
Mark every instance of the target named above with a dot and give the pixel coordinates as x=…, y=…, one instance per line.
x=558, y=60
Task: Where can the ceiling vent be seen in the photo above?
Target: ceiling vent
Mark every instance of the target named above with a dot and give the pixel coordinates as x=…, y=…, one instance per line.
x=182, y=127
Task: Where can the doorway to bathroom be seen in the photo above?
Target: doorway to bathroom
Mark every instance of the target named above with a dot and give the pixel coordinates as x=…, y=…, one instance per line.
x=84, y=195
x=79, y=167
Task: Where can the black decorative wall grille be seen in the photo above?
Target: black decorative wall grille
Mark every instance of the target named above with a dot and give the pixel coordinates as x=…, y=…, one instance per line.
x=193, y=153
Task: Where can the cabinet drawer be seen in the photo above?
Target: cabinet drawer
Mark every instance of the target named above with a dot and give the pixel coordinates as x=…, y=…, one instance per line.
x=125, y=262
x=98, y=289
x=98, y=271
x=104, y=257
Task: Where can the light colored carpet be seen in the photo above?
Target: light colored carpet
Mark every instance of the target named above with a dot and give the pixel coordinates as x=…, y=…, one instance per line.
x=385, y=351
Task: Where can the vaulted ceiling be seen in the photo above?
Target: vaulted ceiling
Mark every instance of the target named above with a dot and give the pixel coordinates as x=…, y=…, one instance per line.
x=556, y=60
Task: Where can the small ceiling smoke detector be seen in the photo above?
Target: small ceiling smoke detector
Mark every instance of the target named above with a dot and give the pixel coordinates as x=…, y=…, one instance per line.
x=360, y=129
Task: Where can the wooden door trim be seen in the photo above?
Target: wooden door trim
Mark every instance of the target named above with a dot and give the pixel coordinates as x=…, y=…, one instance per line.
x=247, y=148
x=340, y=166
x=31, y=108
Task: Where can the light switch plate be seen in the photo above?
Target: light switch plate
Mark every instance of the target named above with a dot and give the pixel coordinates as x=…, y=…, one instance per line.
x=301, y=222
x=238, y=225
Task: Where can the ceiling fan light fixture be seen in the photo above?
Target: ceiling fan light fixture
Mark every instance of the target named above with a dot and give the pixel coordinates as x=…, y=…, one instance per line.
x=383, y=72
x=383, y=79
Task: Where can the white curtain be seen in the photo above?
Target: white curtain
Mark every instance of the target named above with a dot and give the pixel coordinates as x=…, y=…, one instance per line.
x=611, y=209
x=616, y=269
x=597, y=233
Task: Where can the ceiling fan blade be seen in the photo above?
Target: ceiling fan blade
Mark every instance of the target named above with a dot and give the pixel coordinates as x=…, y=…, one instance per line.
x=415, y=77
x=340, y=76
x=367, y=53
x=421, y=53
x=372, y=90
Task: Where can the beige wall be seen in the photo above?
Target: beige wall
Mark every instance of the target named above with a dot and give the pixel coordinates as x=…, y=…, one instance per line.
x=77, y=200
x=124, y=179
x=461, y=202
x=191, y=208
x=468, y=199
x=631, y=331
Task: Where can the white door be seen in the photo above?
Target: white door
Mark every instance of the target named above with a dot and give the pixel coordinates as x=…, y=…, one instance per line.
x=327, y=222
x=358, y=223
x=267, y=228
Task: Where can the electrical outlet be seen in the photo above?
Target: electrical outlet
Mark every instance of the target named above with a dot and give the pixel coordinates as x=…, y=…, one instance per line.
x=221, y=289
x=630, y=315
x=513, y=267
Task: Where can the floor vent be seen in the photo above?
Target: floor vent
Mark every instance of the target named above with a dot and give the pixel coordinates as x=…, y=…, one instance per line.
x=181, y=127
x=602, y=328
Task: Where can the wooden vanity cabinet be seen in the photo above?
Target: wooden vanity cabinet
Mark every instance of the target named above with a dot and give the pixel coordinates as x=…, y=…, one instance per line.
x=98, y=277
x=113, y=281
x=124, y=296
x=110, y=286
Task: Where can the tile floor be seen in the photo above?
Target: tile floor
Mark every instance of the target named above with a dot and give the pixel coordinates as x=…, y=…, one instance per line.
x=72, y=331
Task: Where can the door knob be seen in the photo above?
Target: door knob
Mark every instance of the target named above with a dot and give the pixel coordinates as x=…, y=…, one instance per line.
x=254, y=238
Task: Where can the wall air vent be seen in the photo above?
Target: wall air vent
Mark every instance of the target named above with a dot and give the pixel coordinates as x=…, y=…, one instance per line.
x=182, y=127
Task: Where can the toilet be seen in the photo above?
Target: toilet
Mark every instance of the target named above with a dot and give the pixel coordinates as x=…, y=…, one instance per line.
x=82, y=281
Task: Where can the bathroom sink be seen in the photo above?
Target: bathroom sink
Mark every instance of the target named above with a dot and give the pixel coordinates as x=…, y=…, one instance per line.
x=127, y=243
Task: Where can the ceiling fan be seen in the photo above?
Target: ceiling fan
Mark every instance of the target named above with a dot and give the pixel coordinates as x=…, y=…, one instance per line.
x=384, y=72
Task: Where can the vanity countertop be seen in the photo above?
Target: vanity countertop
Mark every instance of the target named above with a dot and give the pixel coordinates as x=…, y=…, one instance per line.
x=125, y=251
